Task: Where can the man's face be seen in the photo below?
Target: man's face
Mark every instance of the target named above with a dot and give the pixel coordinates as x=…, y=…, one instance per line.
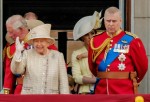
x=112, y=22
x=18, y=32
x=13, y=33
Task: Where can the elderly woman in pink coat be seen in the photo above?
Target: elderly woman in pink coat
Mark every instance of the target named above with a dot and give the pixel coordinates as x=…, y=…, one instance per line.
x=44, y=70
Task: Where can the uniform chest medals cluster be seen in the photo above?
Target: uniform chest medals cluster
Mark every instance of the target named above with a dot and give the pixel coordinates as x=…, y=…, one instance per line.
x=122, y=49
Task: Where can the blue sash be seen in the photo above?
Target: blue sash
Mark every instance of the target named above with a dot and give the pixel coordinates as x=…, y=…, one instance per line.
x=111, y=55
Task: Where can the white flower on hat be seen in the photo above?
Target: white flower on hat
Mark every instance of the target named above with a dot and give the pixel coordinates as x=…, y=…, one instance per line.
x=86, y=24
x=98, y=22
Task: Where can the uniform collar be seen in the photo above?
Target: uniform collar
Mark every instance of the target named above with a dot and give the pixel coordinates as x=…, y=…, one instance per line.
x=115, y=34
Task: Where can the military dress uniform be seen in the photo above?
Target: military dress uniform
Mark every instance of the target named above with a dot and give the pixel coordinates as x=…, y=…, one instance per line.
x=10, y=82
x=8, y=76
x=118, y=62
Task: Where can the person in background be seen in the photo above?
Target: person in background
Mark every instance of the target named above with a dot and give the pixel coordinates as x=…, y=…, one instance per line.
x=84, y=30
x=16, y=26
x=44, y=69
x=117, y=57
x=30, y=15
x=33, y=21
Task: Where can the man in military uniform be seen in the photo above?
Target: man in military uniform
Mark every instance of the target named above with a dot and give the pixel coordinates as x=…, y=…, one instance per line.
x=117, y=58
x=16, y=26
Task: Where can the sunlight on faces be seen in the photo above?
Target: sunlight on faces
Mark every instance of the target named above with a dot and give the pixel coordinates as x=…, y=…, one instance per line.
x=112, y=22
x=41, y=45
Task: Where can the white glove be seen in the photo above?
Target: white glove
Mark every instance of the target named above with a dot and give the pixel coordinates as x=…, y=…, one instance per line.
x=19, y=46
x=19, y=49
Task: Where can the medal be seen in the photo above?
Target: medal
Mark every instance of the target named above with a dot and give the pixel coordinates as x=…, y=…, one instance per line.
x=121, y=66
x=121, y=58
x=122, y=48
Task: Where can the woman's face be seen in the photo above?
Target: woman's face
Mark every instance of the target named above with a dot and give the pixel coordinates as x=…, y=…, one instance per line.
x=86, y=38
x=41, y=45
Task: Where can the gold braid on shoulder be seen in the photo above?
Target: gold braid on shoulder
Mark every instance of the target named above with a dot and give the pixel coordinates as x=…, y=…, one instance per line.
x=131, y=34
x=4, y=52
x=8, y=53
x=98, y=50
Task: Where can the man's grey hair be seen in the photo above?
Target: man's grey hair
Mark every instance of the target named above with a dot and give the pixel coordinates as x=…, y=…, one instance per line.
x=112, y=10
x=16, y=21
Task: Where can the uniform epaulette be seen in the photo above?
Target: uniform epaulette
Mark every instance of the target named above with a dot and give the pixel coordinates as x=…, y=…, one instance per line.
x=98, y=34
x=131, y=34
x=9, y=55
x=11, y=43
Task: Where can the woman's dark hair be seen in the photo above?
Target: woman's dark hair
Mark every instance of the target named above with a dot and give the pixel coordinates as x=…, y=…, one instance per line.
x=93, y=32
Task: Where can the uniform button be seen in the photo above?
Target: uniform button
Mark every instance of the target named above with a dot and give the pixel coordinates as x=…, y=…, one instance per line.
x=110, y=44
x=109, y=48
x=111, y=40
x=108, y=70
